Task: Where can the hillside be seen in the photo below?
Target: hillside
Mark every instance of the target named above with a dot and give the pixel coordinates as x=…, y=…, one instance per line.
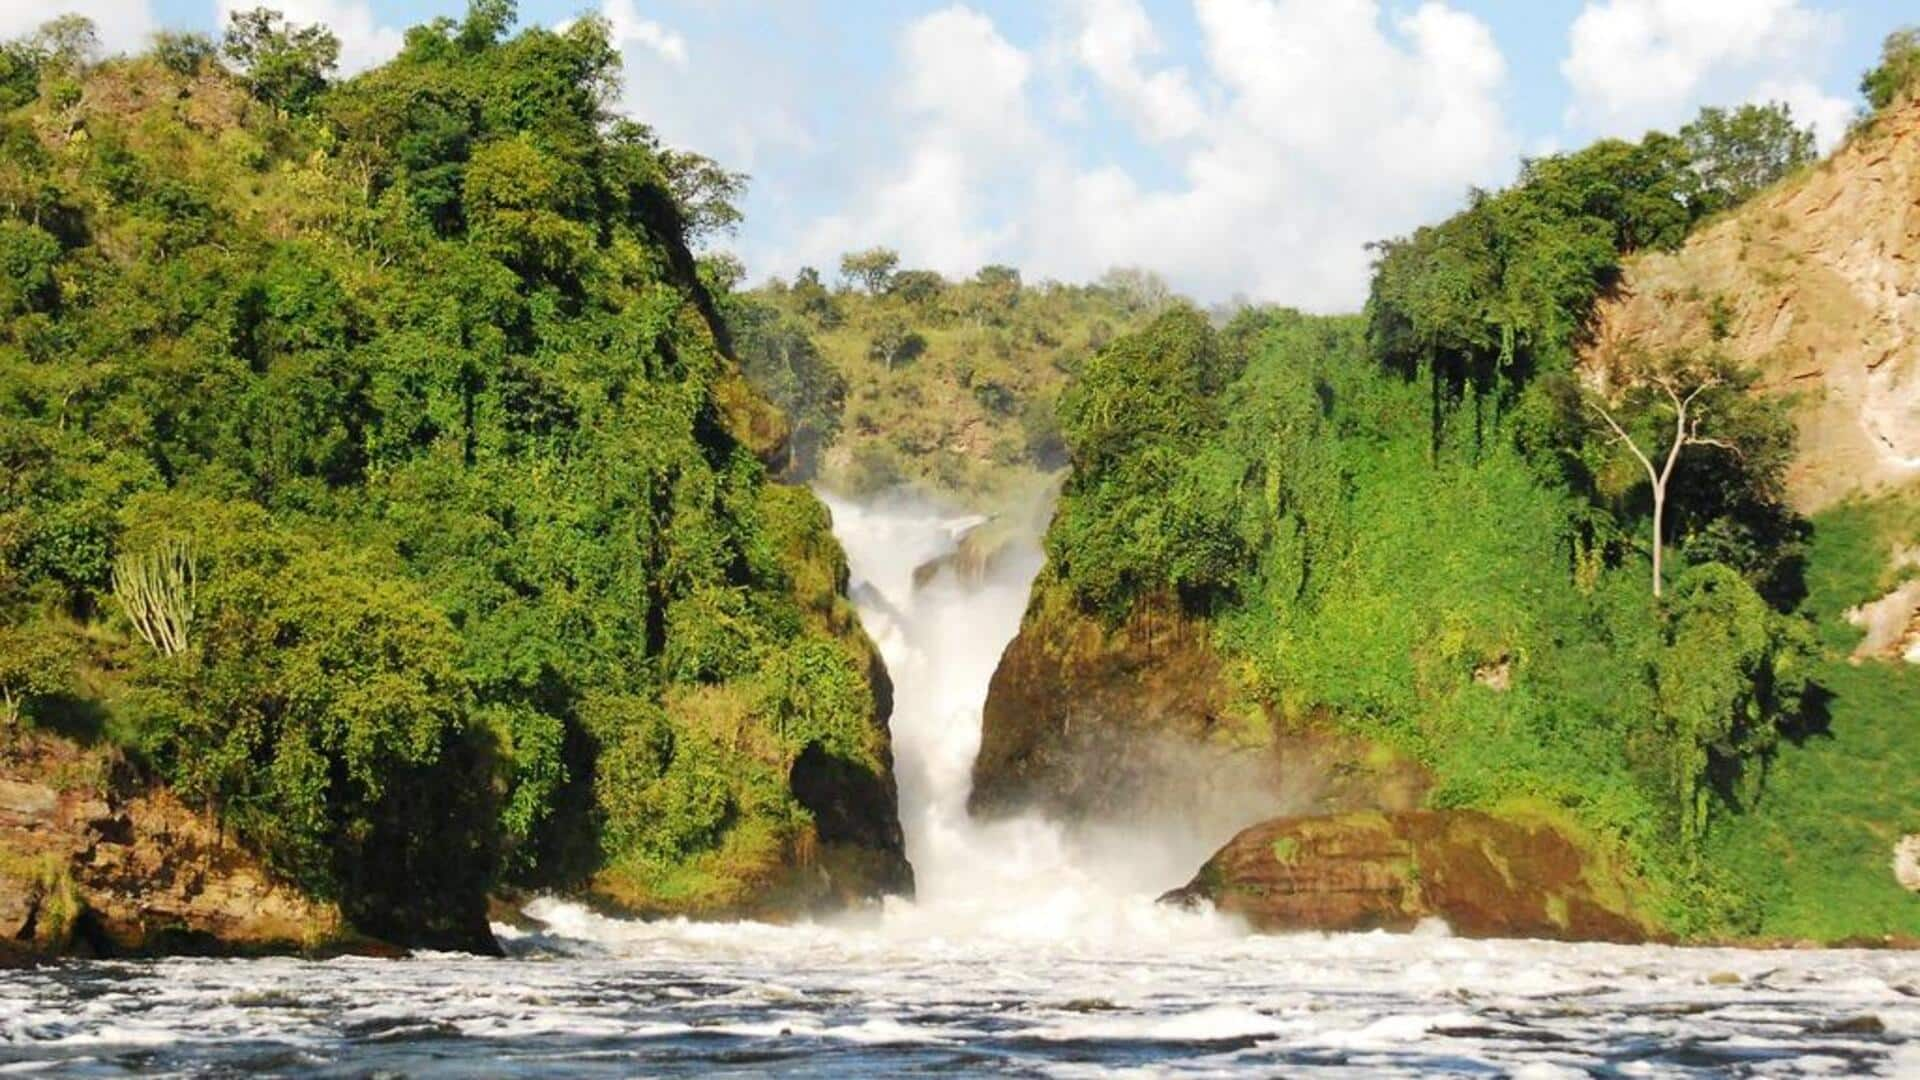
x=380, y=483
x=1398, y=566
x=908, y=380
x=1816, y=284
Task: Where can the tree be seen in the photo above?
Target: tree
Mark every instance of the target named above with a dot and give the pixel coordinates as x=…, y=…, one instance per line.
x=918, y=287
x=33, y=663
x=184, y=53
x=1739, y=152
x=1898, y=69
x=895, y=341
x=1679, y=389
x=286, y=65
x=871, y=269
x=708, y=194
x=1142, y=291
x=68, y=42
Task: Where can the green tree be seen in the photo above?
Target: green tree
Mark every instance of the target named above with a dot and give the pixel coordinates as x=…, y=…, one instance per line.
x=1738, y=152
x=68, y=42
x=33, y=664
x=286, y=66
x=1893, y=78
x=872, y=269
x=894, y=341
x=708, y=195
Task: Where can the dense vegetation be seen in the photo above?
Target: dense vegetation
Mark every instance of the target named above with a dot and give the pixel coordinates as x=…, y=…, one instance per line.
x=376, y=473
x=1424, y=526
x=901, y=378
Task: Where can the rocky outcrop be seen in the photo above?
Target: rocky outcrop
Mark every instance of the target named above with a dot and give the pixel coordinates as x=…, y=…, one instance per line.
x=1142, y=721
x=1816, y=284
x=93, y=862
x=1079, y=712
x=1485, y=876
x=1891, y=624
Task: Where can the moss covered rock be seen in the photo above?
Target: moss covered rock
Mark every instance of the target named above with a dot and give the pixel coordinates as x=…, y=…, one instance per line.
x=1486, y=876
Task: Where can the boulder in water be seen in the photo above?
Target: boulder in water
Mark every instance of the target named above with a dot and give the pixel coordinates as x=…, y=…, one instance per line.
x=1486, y=876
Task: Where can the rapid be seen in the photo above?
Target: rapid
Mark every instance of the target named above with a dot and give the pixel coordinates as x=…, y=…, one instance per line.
x=1030, y=949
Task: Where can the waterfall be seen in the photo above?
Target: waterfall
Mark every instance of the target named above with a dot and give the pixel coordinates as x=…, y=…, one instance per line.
x=941, y=622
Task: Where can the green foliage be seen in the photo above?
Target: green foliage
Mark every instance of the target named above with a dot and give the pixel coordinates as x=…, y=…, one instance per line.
x=1737, y=153
x=1812, y=852
x=1893, y=78
x=782, y=361
x=286, y=66
x=872, y=269
x=1442, y=566
x=1146, y=508
x=422, y=371
x=949, y=386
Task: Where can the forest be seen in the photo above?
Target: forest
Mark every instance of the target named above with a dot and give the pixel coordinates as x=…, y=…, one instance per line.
x=377, y=475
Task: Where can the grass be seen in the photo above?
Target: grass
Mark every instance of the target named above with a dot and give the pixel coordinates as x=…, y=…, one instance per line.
x=1815, y=848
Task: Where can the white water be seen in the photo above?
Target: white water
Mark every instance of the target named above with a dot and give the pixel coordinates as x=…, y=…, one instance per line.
x=1024, y=878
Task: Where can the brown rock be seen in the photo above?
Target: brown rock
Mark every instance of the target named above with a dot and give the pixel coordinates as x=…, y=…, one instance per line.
x=1816, y=284
x=1485, y=876
x=1073, y=703
x=1141, y=721
x=93, y=860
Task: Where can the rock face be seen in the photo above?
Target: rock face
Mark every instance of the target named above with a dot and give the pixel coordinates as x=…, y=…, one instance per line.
x=1086, y=721
x=1817, y=285
x=1485, y=876
x=1073, y=704
x=1892, y=623
x=90, y=863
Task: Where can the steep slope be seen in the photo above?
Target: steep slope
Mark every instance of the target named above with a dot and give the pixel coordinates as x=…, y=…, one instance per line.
x=1816, y=283
x=375, y=473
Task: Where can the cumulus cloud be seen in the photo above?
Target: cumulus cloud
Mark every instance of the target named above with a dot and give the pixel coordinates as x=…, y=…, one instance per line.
x=1313, y=127
x=629, y=28
x=123, y=25
x=1640, y=64
x=1113, y=41
x=964, y=97
x=712, y=106
x=364, y=41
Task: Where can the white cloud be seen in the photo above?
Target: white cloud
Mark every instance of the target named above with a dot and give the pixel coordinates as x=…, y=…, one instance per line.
x=1313, y=127
x=123, y=25
x=964, y=98
x=712, y=107
x=1114, y=37
x=630, y=28
x=364, y=41
x=1641, y=64
x=1829, y=116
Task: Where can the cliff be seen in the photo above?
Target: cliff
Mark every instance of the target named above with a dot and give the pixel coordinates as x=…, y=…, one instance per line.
x=1816, y=284
x=1091, y=721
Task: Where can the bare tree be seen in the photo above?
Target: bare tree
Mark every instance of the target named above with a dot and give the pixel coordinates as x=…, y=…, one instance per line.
x=1681, y=390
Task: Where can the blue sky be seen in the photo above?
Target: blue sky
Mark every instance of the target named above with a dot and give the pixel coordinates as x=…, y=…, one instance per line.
x=1236, y=146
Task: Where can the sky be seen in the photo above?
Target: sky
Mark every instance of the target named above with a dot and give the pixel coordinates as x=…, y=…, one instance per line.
x=1240, y=148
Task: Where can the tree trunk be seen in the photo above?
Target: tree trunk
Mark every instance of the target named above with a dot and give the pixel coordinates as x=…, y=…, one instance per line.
x=1659, y=533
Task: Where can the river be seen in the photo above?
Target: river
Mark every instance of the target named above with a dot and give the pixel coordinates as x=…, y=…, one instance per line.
x=1030, y=950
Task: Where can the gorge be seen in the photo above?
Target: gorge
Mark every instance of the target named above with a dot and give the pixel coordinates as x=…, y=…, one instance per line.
x=451, y=620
